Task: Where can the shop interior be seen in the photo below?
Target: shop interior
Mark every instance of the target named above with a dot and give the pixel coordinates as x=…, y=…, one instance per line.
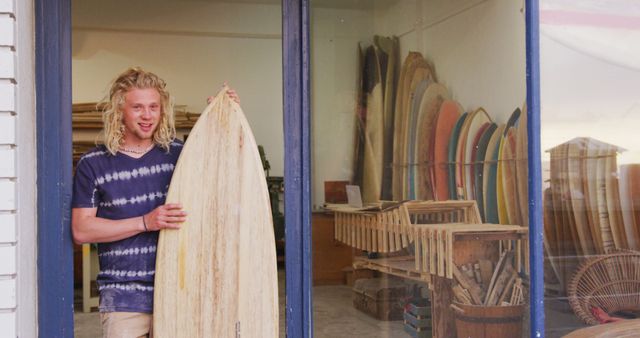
x=419, y=152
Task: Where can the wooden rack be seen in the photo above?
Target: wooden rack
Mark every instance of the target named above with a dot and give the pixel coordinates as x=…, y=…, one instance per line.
x=436, y=236
x=391, y=229
x=434, y=244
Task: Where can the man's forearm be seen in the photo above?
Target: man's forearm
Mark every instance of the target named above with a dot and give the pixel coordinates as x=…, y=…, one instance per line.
x=92, y=229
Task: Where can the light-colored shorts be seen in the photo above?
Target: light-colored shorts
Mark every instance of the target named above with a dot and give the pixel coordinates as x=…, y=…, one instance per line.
x=126, y=325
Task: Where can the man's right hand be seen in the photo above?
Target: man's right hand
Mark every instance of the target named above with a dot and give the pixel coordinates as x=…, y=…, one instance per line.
x=168, y=216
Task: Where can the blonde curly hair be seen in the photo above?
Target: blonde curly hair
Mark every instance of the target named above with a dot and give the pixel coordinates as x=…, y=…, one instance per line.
x=136, y=78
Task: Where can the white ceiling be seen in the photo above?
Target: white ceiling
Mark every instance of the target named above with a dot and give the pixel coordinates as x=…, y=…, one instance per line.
x=344, y=4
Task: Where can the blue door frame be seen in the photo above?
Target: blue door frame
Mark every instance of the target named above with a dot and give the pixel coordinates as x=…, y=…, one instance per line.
x=53, y=111
x=53, y=123
x=536, y=228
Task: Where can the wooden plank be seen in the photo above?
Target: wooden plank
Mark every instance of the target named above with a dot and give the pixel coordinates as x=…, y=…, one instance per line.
x=442, y=317
x=397, y=229
x=486, y=271
x=206, y=271
x=508, y=289
x=469, y=284
x=498, y=270
x=498, y=287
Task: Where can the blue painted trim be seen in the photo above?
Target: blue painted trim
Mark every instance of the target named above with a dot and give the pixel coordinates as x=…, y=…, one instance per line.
x=295, y=53
x=535, y=170
x=307, y=285
x=53, y=124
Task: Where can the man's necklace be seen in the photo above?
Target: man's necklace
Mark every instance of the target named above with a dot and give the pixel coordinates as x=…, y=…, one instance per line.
x=136, y=151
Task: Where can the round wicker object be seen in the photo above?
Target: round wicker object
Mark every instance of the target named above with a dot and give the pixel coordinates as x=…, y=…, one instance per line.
x=610, y=282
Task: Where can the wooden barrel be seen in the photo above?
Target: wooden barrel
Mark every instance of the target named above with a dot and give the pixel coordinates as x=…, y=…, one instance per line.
x=473, y=321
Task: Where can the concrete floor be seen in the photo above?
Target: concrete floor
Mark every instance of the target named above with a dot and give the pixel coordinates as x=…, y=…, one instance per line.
x=335, y=317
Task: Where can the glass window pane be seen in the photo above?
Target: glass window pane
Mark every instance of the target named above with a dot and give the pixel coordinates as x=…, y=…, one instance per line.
x=590, y=113
x=195, y=46
x=420, y=171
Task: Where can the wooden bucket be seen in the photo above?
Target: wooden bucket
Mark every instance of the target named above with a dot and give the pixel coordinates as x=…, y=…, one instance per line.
x=473, y=321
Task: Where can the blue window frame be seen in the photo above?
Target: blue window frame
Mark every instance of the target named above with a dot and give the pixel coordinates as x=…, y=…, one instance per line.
x=53, y=90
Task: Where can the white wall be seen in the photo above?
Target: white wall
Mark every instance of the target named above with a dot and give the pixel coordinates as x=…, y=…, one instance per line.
x=8, y=174
x=477, y=46
x=195, y=46
x=335, y=35
x=17, y=178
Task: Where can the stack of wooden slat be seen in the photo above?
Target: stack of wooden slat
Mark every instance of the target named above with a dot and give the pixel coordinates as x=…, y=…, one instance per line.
x=587, y=207
x=480, y=284
x=89, y=116
x=434, y=244
x=390, y=229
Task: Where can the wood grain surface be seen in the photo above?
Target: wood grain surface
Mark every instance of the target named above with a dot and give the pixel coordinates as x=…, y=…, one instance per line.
x=447, y=117
x=490, y=174
x=430, y=105
x=216, y=276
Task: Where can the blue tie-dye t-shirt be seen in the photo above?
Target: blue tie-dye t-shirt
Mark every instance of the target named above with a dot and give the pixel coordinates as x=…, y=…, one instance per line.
x=122, y=187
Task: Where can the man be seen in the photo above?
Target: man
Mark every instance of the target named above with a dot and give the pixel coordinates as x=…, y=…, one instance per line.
x=118, y=198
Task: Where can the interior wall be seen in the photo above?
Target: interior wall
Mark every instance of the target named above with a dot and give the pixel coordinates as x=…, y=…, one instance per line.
x=195, y=46
x=477, y=47
x=335, y=36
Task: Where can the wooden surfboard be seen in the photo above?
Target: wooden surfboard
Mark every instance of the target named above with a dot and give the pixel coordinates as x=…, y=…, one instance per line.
x=388, y=47
x=601, y=200
x=447, y=117
x=567, y=208
x=590, y=190
x=503, y=215
x=451, y=156
x=550, y=240
x=513, y=119
x=631, y=195
x=460, y=160
x=398, y=123
x=430, y=105
x=478, y=167
x=489, y=179
x=575, y=195
x=613, y=198
x=359, y=122
x=413, y=61
x=625, y=206
x=565, y=244
x=480, y=122
x=509, y=180
x=503, y=212
x=216, y=276
x=522, y=167
x=417, y=87
x=374, y=130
